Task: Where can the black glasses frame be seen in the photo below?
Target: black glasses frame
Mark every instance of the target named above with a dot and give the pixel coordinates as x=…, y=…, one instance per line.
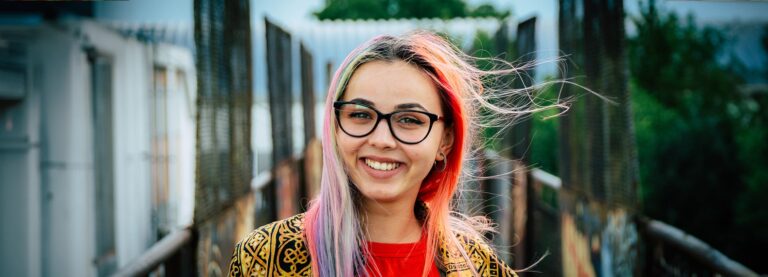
x=432, y=118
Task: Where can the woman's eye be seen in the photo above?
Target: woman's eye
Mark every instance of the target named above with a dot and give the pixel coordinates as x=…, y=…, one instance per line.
x=360, y=115
x=410, y=121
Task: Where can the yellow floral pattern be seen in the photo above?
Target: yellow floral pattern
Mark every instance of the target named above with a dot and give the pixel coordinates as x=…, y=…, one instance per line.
x=278, y=249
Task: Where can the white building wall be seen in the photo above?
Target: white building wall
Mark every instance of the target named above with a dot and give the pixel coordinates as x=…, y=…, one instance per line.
x=67, y=154
x=132, y=72
x=14, y=225
x=58, y=162
x=19, y=160
x=19, y=183
x=34, y=191
x=47, y=155
x=181, y=115
x=48, y=184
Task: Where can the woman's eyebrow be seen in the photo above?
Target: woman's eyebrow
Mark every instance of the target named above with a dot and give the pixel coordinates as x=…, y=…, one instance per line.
x=362, y=101
x=404, y=106
x=410, y=106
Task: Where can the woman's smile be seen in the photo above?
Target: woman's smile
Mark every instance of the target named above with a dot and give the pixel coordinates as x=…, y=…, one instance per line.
x=385, y=166
x=379, y=168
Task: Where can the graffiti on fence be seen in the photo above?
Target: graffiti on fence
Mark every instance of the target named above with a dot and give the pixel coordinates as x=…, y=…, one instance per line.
x=598, y=243
x=578, y=248
x=219, y=234
x=619, y=252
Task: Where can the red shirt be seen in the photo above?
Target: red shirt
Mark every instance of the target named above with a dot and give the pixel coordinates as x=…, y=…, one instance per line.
x=399, y=259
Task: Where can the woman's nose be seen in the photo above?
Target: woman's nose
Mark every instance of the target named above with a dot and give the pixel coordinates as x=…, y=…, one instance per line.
x=382, y=136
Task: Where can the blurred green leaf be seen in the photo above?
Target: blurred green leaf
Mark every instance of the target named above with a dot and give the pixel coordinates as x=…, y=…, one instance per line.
x=700, y=139
x=395, y=9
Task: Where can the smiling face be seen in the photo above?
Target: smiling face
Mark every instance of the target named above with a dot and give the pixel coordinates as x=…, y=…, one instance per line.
x=383, y=168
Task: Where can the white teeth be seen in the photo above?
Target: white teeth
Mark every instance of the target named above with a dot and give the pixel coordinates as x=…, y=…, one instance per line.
x=381, y=165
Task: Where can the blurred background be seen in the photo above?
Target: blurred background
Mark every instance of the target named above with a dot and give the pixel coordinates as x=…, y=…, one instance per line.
x=147, y=137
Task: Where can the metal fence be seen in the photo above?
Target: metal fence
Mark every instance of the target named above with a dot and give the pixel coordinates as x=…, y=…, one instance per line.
x=223, y=152
x=598, y=155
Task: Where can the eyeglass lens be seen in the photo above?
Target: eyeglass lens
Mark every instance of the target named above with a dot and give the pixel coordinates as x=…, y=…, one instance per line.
x=407, y=126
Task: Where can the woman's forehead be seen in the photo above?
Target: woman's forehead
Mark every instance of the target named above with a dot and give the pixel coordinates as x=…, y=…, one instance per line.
x=387, y=85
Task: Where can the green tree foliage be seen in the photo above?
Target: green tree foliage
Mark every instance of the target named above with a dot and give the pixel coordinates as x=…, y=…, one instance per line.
x=485, y=50
x=543, y=148
x=701, y=143
x=752, y=137
x=386, y=9
x=677, y=63
x=544, y=139
x=487, y=10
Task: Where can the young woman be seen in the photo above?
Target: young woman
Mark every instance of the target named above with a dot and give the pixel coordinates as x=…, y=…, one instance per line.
x=398, y=127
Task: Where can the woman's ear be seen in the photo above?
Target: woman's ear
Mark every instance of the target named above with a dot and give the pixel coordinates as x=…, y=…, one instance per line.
x=446, y=144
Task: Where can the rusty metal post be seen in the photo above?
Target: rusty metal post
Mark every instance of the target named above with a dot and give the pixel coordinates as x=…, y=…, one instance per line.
x=525, y=45
x=312, y=162
x=526, y=49
x=279, y=83
x=307, y=93
x=279, y=69
x=598, y=161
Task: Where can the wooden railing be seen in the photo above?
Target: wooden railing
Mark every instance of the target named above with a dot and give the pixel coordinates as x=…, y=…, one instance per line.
x=175, y=254
x=669, y=250
x=672, y=251
x=545, y=223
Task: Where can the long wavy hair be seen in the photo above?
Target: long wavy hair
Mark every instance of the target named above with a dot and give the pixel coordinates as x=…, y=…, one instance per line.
x=334, y=223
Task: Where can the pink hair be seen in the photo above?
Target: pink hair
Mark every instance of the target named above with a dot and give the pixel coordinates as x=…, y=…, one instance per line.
x=332, y=223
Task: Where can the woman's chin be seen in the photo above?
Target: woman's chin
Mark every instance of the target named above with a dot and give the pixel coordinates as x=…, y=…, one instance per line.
x=381, y=196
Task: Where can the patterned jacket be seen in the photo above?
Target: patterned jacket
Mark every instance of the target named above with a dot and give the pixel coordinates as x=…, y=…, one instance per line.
x=279, y=249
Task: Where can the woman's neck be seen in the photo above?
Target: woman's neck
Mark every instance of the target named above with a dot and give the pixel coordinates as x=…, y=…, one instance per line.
x=391, y=222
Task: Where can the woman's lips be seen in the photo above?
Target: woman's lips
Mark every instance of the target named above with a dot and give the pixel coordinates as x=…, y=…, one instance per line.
x=380, y=168
x=385, y=166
